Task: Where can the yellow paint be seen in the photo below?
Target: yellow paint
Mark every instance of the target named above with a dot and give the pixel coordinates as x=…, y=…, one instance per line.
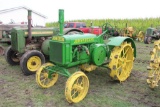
x=58, y=38
x=33, y=63
x=83, y=40
x=41, y=32
x=42, y=78
x=77, y=86
x=121, y=62
x=153, y=68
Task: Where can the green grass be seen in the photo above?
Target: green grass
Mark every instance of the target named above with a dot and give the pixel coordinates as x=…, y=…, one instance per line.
x=22, y=91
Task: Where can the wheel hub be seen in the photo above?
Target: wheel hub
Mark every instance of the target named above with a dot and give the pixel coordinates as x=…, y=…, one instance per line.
x=34, y=63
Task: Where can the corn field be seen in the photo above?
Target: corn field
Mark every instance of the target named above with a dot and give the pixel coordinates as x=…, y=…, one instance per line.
x=137, y=24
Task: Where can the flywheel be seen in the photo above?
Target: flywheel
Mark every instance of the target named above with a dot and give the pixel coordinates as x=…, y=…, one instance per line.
x=42, y=76
x=121, y=61
x=76, y=87
x=99, y=55
x=154, y=67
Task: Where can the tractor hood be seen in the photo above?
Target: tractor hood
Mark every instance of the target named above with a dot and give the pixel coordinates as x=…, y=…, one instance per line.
x=76, y=38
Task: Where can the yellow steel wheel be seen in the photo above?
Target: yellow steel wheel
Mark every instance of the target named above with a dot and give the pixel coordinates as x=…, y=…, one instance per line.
x=76, y=87
x=154, y=67
x=140, y=36
x=42, y=76
x=121, y=61
x=33, y=63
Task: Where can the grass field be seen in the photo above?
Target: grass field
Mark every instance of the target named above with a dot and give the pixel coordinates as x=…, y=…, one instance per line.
x=17, y=90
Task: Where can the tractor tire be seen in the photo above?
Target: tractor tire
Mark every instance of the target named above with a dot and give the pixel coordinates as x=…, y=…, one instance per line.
x=145, y=40
x=11, y=56
x=148, y=40
x=72, y=32
x=31, y=61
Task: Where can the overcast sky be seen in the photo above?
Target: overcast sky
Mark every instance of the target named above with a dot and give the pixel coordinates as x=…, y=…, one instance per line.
x=89, y=9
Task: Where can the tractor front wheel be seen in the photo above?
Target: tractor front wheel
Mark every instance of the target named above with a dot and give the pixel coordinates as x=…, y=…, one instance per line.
x=11, y=56
x=42, y=76
x=76, y=87
x=31, y=61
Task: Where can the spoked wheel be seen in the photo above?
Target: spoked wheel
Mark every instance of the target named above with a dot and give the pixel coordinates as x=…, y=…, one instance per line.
x=31, y=61
x=140, y=36
x=76, y=87
x=154, y=67
x=11, y=56
x=121, y=61
x=42, y=76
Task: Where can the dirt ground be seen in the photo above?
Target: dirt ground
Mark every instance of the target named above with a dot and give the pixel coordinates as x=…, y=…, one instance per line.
x=22, y=91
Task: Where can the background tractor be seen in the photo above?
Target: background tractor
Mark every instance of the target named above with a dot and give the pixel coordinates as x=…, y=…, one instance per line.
x=86, y=51
x=30, y=45
x=132, y=33
x=5, y=35
x=152, y=34
x=92, y=29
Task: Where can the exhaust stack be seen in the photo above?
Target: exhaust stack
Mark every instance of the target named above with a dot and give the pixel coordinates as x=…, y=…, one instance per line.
x=29, y=25
x=61, y=21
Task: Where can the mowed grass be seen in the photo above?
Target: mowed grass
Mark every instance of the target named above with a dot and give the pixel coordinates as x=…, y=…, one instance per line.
x=17, y=90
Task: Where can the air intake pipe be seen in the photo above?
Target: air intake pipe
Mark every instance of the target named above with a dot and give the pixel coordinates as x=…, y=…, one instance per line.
x=29, y=26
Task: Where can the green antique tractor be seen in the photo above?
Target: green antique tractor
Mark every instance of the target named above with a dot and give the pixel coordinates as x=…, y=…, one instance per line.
x=5, y=35
x=87, y=51
x=29, y=46
x=152, y=34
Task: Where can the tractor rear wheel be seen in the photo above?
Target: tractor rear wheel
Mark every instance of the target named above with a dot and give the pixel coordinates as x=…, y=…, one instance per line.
x=121, y=61
x=149, y=40
x=11, y=56
x=154, y=67
x=31, y=61
x=145, y=40
x=42, y=78
x=140, y=36
x=77, y=87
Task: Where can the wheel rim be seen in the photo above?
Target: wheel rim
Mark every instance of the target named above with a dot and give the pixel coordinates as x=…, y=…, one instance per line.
x=154, y=67
x=1, y=50
x=42, y=76
x=121, y=62
x=140, y=36
x=76, y=87
x=34, y=63
x=14, y=57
